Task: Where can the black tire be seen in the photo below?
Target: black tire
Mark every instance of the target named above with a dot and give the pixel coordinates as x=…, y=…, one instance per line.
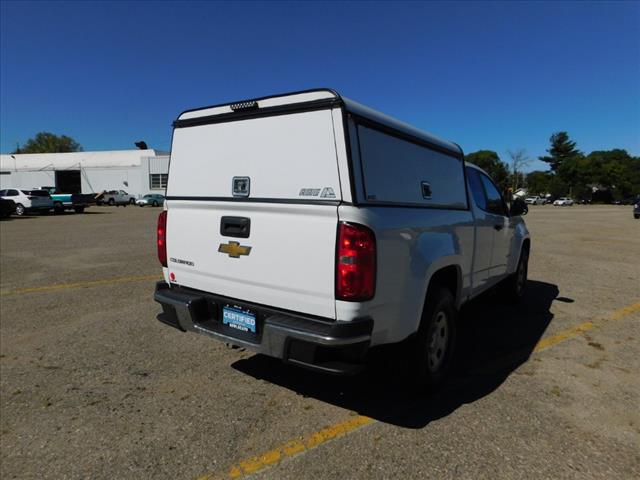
x=78, y=209
x=111, y=202
x=132, y=201
x=515, y=285
x=99, y=203
x=636, y=216
x=154, y=203
x=58, y=208
x=20, y=210
x=432, y=349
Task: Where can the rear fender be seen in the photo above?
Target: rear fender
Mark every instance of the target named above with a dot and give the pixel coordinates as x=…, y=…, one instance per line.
x=438, y=250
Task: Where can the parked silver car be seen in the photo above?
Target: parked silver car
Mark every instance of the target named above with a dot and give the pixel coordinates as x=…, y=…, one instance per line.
x=153, y=199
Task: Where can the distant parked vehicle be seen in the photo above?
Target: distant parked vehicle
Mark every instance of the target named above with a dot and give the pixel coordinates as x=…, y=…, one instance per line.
x=536, y=200
x=7, y=208
x=636, y=208
x=69, y=201
x=563, y=202
x=153, y=199
x=28, y=200
x=116, y=197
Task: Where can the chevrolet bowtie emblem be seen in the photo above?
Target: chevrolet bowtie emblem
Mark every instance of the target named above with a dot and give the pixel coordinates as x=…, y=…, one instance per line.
x=234, y=249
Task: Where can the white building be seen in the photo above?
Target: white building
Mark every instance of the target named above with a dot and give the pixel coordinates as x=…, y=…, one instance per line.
x=136, y=171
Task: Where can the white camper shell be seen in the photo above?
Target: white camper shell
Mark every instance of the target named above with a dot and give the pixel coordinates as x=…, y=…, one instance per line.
x=262, y=193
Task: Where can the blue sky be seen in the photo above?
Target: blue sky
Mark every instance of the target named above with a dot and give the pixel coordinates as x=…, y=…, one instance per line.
x=486, y=75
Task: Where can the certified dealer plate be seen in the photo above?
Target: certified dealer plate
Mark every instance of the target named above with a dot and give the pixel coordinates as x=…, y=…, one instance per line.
x=239, y=318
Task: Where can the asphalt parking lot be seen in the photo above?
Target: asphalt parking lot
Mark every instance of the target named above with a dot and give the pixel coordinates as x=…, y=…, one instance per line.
x=92, y=386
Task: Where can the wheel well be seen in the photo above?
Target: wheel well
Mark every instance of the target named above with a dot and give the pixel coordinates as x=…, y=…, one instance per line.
x=447, y=277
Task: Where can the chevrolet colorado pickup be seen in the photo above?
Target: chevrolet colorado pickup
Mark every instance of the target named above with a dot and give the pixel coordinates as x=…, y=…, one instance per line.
x=311, y=228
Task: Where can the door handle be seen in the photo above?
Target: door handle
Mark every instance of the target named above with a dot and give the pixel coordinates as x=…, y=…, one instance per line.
x=498, y=227
x=238, y=227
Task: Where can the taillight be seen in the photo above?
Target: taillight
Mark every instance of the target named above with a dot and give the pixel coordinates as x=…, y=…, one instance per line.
x=162, y=238
x=355, y=262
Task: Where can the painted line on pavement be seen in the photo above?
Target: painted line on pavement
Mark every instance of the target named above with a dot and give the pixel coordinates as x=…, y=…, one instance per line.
x=584, y=327
x=294, y=448
x=92, y=283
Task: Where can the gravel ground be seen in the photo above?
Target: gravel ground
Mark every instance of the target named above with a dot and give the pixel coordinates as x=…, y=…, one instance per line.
x=92, y=386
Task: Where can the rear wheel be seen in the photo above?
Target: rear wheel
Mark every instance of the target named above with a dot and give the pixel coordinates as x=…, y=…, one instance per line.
x=79, y=209
x=155, y=204
x=58, y=208
x=20, y=210
x=433, y=347
x=132, y=201
x=112, y=202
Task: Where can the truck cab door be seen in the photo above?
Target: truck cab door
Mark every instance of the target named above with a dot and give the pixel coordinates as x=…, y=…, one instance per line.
x=484, y=232
x=502, y=229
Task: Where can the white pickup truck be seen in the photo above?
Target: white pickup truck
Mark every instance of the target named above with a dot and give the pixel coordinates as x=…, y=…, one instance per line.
x=311, y=228
x=116, y=197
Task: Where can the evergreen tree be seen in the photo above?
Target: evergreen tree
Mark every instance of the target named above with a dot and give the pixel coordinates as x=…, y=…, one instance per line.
x=562, y=148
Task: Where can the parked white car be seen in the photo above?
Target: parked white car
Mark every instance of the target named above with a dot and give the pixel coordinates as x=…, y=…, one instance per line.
x=536, y=200
x=359, y=230
x=28, y=200
x=563, y=202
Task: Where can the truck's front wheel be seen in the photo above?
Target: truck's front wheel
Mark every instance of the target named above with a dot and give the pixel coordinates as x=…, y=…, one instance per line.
x=514, y=285
x=433, y=346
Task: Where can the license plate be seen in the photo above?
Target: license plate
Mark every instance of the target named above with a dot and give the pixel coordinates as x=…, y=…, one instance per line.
x=239, y=318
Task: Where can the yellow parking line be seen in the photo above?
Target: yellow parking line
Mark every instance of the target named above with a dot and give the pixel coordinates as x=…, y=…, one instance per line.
x=292, y=448
x=296, y=447
x=92, y=283
x=584, y=327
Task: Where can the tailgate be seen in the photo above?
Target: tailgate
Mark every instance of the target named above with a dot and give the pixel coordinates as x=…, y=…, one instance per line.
x=274, y=244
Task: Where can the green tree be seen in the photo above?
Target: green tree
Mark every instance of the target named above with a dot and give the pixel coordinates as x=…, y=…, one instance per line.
x=538, y=182
x=615, y=170
x=490, y=162
x=45, y=142
x=562, y=148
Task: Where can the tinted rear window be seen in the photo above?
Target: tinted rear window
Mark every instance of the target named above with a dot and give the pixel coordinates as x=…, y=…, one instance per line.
x=397, y=170
x=36, y=193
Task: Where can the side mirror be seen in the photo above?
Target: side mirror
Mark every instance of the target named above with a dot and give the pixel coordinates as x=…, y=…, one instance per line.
x=518, y=207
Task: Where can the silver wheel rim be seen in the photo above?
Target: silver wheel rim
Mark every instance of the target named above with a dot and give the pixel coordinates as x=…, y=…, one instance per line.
x=438, y=342
x=19, y=209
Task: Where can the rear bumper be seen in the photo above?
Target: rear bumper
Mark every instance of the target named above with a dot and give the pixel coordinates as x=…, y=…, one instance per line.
x=324, y=345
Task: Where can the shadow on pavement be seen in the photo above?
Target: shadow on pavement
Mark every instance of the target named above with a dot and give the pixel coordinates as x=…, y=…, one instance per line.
x=494, y=340
x=86, y=212
x=16, y=217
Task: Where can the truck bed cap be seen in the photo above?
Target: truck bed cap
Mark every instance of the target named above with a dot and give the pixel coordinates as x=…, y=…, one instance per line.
x=301, y=101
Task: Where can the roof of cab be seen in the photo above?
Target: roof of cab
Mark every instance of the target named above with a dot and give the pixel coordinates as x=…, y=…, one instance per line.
x=320, y=97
